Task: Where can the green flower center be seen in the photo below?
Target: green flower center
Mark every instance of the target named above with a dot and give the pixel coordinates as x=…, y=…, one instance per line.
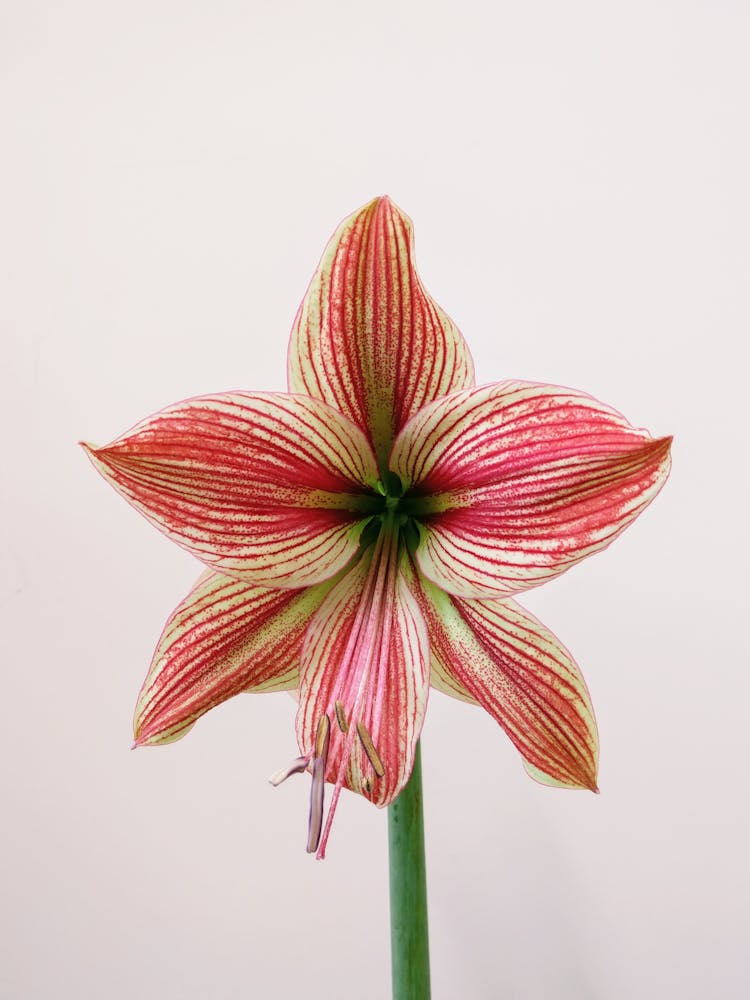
x=391, y=509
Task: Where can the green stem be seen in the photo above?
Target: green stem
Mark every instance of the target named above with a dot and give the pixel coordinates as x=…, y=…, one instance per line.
x=410, y=955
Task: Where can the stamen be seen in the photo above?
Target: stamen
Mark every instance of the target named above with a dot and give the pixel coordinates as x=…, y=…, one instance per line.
x=369, y=747
x=317, y=796
x=341, y=717
x=298, y=765
x=322, y=736
x=318, y=788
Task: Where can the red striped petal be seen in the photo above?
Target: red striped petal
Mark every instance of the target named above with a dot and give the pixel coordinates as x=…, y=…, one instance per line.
x=224, y=638
x=365, y=665
x=499, y=655
x=516, y=482
x=264, y=487
x=367, y=338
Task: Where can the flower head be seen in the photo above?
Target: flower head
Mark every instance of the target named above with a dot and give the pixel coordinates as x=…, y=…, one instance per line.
x=365, y=532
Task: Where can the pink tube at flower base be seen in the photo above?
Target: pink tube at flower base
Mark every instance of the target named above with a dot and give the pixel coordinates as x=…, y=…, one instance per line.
x=365, y=663
x=364, y=531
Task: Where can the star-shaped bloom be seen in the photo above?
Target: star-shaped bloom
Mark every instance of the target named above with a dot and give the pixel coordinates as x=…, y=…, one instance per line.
x=365, y=533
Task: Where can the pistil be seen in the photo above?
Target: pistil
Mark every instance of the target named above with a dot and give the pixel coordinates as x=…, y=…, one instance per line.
x=298, y=765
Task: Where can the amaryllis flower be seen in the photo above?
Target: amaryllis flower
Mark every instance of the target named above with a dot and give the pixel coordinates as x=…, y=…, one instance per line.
x=365, y=533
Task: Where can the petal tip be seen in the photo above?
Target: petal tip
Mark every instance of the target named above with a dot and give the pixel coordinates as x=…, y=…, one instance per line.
x=579, y=778
x=589, y=781
x=384, y=203
x=95, y=454
x=661, y=454
x=139, y=740
x=590, y=778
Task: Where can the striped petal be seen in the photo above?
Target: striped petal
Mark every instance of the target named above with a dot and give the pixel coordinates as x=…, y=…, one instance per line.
x=516, y=482
x=500, y=656
x=264, y=487
x=365, y=666
x=367, y=338
x=224, y=638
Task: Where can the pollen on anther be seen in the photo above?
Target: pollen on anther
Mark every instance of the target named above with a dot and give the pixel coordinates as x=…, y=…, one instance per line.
x=317, y=790
x=369, y=747
x=341, y=717
x=322, y=737
x=317, y=801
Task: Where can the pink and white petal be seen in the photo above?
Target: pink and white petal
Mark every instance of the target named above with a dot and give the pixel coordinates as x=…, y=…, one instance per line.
x=367, y=338
x=265, y=487
x=367, y=650
x=394, y=716
x=447, y=683
x=224, y=638
x=518, y=671
x=516, y=482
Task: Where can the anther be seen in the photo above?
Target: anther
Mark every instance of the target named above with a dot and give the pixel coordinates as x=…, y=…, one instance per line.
x=317, y=795
x=341, y=717
x=317, y=791
x=322, y=736
x=369, y=747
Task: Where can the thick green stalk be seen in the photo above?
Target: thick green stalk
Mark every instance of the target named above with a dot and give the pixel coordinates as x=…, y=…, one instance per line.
x=410, y=954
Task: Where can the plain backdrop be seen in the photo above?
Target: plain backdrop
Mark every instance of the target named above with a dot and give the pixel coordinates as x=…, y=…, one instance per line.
x=578, y=178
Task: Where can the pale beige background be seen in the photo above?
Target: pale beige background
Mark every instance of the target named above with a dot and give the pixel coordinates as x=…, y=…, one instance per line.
x=577, y=174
